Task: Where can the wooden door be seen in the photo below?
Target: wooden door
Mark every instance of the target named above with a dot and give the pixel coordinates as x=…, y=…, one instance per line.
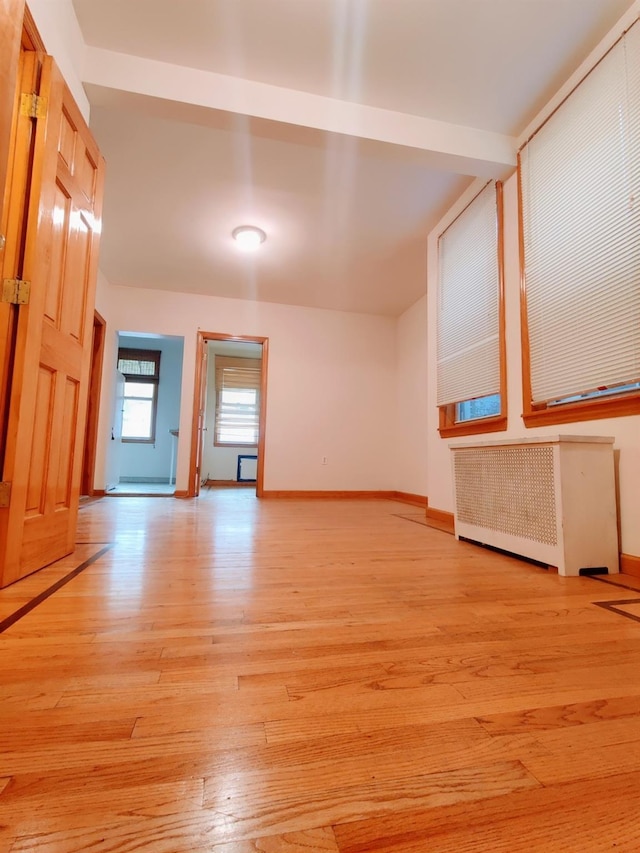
x=52, y=351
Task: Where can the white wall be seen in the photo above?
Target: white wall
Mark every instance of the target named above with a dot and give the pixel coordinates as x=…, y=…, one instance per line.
x=626, y=431
x=153, y=461
x=221, y=463
x=331, y=376
x=411, y=400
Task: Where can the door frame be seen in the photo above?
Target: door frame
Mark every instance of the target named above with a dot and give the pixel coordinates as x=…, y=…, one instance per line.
x=13, y=210
x=197, y=435
x=93, y=406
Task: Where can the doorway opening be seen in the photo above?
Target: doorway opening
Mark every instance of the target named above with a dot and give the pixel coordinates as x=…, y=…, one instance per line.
x=227, y=447
x=143, y=445
x=93, y=407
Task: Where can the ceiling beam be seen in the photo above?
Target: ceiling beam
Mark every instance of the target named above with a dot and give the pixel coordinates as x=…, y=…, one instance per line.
x=448, y=147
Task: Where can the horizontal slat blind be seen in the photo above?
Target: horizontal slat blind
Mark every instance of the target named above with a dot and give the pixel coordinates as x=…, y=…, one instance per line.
x=580, y=179
x=233, y=372
x=143, y=363
x=468, y=303
x=237, y=413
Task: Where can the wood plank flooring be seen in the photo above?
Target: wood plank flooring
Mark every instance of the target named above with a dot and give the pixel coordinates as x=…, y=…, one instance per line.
x=235, y=675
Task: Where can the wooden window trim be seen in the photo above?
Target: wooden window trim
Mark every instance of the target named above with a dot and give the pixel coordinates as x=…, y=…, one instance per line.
x=144, y=355
x=448, y=427
x=585, y=410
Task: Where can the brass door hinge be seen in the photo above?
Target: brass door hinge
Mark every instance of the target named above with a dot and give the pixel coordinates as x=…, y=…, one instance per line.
x=15, y=291
x=5, y=495
x=33, y=106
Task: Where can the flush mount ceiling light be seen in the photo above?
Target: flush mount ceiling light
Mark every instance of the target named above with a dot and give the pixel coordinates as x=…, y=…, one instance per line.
x=248, y=237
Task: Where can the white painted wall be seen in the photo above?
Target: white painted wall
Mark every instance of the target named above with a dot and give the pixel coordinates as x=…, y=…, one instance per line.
x=411, y=400
x=153, y=461
x=331, y=376
x=626, y=431
x=221, y=463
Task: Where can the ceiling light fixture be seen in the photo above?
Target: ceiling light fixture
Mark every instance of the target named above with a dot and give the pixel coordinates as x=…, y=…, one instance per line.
x=248, y=237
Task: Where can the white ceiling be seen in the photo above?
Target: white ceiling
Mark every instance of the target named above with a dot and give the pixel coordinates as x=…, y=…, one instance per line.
x=198, y=139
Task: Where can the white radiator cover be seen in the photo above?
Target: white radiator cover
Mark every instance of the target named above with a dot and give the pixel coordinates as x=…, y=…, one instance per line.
x=548, y=498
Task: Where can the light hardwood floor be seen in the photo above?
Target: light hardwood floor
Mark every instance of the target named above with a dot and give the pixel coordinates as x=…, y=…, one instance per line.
x=235, y=675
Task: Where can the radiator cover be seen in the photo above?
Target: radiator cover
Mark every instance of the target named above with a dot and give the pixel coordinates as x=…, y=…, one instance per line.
x=548, y=498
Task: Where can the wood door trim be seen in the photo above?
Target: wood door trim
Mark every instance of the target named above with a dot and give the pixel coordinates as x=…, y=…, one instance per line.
x=93, y=405
x=31, y=38
x=202, y=340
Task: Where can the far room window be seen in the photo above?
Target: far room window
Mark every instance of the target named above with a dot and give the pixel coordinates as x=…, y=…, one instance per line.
x=237, y=401
x=470, y=319
x=580, y=204
x=141, y=370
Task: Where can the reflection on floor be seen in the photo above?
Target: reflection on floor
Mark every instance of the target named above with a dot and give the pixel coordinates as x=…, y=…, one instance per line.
x=163, y=490
x=147, y=489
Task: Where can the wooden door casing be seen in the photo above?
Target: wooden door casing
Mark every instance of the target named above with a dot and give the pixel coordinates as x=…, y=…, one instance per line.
x=201, y=390
x=93, y=406
x=13, y=210
x=199, y=405
x=47, y=406
x=11, y=12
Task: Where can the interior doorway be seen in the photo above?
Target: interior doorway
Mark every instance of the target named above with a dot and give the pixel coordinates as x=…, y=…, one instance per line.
x=227, y=446
x=142, y=448
x=93, y=406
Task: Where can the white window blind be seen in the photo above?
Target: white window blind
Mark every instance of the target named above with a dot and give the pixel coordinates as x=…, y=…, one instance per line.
x=580, y=180
x=237, y=400
x=469, y=303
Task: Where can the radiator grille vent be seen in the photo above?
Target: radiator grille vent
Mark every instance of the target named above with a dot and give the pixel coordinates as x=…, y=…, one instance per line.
x=508, y=489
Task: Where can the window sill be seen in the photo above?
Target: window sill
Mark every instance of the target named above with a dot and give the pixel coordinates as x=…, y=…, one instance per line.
x=588, y=410
x=477, y=427
x=138, y=440
x=234, y=444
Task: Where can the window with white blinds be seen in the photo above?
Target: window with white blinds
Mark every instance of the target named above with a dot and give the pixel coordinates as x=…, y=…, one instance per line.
x=237, y=419
x=468, y=320
x=580, y=196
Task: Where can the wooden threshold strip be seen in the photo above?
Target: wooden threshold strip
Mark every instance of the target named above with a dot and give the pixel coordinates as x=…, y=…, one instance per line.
x=45, y=594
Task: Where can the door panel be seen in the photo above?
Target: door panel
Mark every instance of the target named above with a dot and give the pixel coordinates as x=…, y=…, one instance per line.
x=61, y=215
x=43, y=424
x=54, y=338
